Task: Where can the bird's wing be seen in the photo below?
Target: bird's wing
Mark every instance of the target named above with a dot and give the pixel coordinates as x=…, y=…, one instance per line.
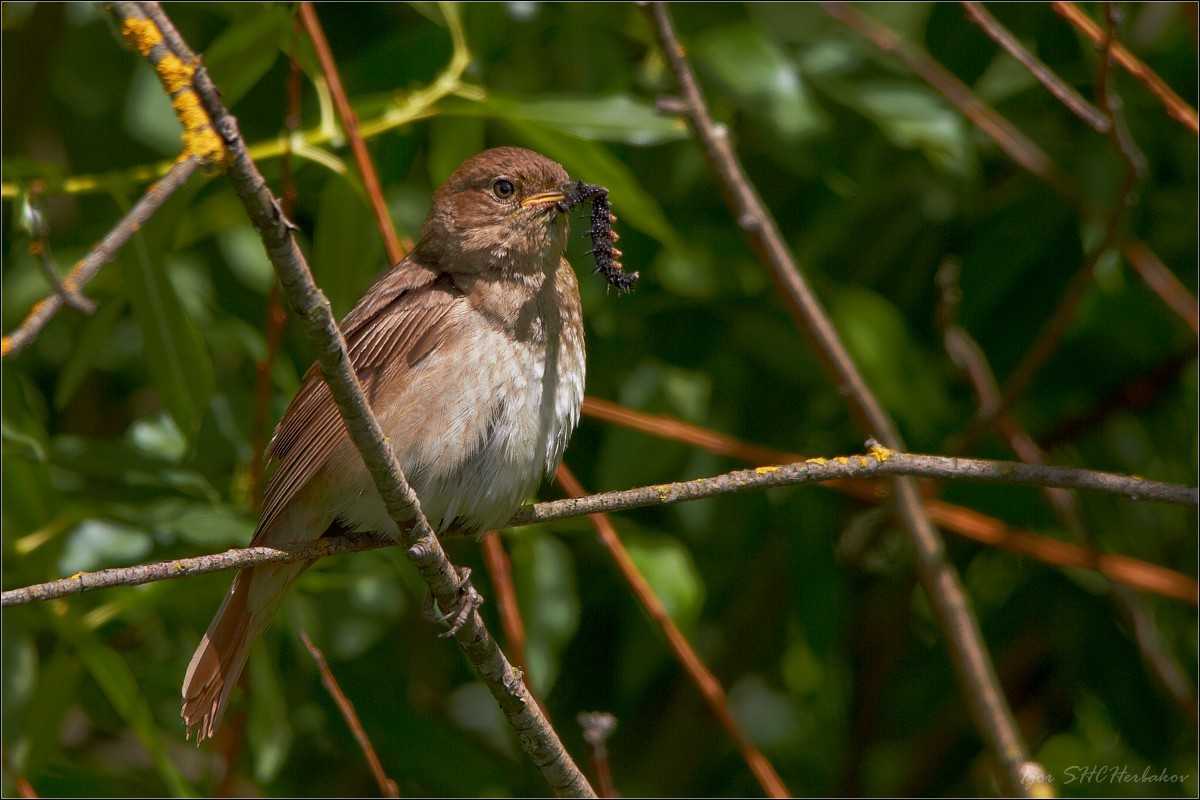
x=399, y=321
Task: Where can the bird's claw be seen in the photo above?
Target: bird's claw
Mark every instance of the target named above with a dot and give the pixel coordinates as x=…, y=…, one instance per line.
x=468, y=600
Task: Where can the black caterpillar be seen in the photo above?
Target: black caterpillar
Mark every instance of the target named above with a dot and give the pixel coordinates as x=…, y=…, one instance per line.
x=602, y=234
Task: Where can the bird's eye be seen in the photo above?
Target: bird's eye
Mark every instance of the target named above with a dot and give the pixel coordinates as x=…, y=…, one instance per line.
x=503, y=188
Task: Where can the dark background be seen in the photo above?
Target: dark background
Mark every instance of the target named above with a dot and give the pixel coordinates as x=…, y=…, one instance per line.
x=127, y=435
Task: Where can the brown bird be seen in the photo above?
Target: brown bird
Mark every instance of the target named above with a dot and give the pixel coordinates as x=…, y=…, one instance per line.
x=471, y=354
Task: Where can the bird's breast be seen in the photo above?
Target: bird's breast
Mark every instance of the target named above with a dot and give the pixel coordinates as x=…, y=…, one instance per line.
x=485, y=416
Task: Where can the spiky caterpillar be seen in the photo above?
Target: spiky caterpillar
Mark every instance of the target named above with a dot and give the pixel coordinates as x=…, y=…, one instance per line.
x=602, y=234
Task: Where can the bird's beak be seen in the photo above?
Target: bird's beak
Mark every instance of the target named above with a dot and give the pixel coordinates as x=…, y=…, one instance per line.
x=542, y=199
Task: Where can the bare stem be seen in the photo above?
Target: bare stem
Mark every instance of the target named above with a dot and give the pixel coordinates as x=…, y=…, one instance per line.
x=1176, y=107
x=345, y=112
x=956, y=519
x=387, y=786
x=978, y=14
x=44, y=310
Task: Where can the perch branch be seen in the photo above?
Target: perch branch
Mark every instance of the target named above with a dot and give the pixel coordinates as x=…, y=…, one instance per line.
x=44, y=310
x=973, y=664
x=448, y=585
x=961, y=521
x=708, y=685
x=879, y=463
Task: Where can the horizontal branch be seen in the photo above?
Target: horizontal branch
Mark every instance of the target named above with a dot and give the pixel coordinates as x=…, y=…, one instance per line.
x=878, y=463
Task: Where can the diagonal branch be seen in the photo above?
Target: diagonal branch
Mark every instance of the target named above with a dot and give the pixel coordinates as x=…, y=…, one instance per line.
x=708, y=685
x=1070, y=98
x=387, y=786
x=973, y=664
x=345, y=112
x=44, y=310
x=311, y=309
x=1176, y=106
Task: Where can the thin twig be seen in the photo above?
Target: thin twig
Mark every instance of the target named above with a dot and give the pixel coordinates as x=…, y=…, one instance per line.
x=44, y=310
x=346, y=115
x=710, y=688
x=1010, y=139
x=401, y=110
x=879, y=463
x=387, y=786
x=1163, y=282
x=598, y=726
x=1054, y=84
x=33, y=220
x=449, y=586
x=1175, y=105
x=961, y=521
x=1007, y=137
x=973, y=665
x=1054, y=329
x=499, y=569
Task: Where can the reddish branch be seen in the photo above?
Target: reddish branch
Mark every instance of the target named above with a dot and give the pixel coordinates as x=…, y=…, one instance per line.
x=362, y=157
x=387, y=786
x=1163, y=282
x=499, y=569
x=1175, y=105
x=710, y=688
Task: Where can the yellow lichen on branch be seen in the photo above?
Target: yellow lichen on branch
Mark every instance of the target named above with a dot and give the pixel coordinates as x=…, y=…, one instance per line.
x=142, y=34
x=199, y=139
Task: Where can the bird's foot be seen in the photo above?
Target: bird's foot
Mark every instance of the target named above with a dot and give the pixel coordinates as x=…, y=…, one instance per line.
x=468, y=600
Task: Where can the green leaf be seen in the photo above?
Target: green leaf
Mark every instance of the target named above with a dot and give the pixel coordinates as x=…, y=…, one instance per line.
x=544, y=573
x=593, y=163
x=177, y=359
x=347, y=249
x=914, y=118
x=99, y=543
x=242, y=55
x=615, y=118
x=761, y=78
x=39, y=733
x=669, y=569
x=452, y=141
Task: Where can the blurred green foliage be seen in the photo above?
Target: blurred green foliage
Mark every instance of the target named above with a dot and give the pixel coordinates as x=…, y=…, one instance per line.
x=126, y=435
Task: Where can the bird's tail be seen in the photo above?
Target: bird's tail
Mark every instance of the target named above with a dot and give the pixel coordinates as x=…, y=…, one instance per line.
x=219, y=659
